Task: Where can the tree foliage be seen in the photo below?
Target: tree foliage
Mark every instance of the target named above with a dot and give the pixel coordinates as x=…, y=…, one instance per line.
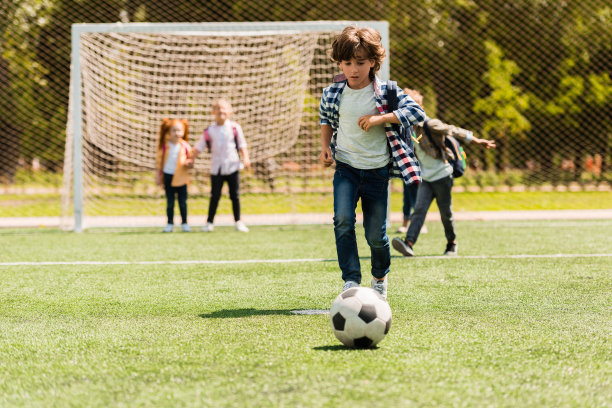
x=529, y=72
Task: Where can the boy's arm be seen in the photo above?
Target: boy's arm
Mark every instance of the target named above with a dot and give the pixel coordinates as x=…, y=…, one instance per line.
x=439, y=130
x=407, y=114
x=242, y=147
x=326, y=154
x=327, y=131
x=408, y=111
x=192, y=153
x=245, y=157
x=367, y=121
x=198, y=148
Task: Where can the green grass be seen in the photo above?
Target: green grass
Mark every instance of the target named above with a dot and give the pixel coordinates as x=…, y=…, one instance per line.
x=496, y=331
x=49, y=205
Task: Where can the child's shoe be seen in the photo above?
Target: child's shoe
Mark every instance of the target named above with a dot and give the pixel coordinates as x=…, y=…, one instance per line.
x=349, y=284
x=168, y=228
x=185, y=228
x=451, y=249
x=241, y=227
x=424, y=229
x=380, y=286
x=208, y=227
x=402, y=246
x=402, y=230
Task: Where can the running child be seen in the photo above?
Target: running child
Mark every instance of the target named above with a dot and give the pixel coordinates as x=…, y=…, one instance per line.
x=437, y=182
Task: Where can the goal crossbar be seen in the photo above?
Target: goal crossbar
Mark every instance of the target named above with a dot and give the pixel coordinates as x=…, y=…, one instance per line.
x=184, y=29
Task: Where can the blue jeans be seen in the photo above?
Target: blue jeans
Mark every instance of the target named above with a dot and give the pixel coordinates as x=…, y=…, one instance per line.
x=351, y=184
x=428, y=190
x=410, y=195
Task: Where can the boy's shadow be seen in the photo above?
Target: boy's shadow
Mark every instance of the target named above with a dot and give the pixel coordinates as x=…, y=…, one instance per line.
x=338, y=347
x=235, y=313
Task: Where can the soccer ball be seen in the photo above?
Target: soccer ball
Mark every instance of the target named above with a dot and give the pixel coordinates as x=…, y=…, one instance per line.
x=360, y=317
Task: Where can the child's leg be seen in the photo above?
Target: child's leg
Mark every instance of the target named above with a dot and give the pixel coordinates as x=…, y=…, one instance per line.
x=182, y=201
x=233, y=181
x=410, y=195
x=410, y=192
x=346, y=194
x=417, y=219
x=169, y=197
x=216, y=183
x=374, y=198
x=442, y=190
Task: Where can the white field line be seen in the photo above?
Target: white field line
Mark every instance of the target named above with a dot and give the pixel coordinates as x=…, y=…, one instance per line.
x=298, y=260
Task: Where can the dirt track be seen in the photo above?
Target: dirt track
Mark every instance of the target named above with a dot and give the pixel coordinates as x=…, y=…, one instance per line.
x=310, y=218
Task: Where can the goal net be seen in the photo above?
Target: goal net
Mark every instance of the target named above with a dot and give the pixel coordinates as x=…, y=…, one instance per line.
x=125, y=78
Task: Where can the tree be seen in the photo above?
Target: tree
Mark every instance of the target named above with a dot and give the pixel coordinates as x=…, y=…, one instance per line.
x=504, y=106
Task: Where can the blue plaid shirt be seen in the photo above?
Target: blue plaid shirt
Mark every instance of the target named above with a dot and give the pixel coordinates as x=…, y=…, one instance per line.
x=405, y=163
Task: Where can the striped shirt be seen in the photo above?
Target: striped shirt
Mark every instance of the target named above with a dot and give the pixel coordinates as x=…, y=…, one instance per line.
x=405, y=163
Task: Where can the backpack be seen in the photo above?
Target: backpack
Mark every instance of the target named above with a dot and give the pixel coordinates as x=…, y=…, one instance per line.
x=392, y=104
x=458, y=163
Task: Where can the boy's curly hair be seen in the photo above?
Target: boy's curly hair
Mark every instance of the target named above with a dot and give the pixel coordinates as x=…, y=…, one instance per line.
x=353, y=40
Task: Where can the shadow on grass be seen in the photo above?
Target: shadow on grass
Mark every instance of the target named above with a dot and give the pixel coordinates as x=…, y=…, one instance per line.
x=337, y=347
x=234, y=313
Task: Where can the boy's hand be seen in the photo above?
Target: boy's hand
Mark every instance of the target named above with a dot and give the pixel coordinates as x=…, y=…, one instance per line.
x=247, y=163
x=489, y=144
x=326, y=157
x=189, y=163
x=367, y=121
x=158, y=178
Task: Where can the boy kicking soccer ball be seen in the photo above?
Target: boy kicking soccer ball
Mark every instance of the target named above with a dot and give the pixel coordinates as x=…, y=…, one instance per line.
x=357, y=135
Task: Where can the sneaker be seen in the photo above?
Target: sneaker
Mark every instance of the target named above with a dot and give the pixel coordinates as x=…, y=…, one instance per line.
x=402, y=230
x=208, y=227
x=402, y=246
x=451, y=249
x=424, y=229
x=168, y=228
x=380, y=286
x=349, y=284
x=185, y=228
x=241, y=227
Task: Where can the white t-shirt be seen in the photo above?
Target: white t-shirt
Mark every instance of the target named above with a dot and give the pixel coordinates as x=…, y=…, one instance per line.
x=354, y=146
x=432, y=169
x=173, y=155
x=224, y=152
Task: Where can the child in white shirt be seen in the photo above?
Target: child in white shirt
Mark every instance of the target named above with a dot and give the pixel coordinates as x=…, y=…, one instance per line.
x=225, y=140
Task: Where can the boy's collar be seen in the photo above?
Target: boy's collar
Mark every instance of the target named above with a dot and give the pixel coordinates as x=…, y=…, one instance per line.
x=377, y=81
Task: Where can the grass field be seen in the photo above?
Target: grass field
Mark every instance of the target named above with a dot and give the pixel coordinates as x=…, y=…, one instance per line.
x=132, y=317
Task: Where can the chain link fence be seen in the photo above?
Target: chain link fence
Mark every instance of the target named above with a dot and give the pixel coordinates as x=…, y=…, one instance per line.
x=532, y=74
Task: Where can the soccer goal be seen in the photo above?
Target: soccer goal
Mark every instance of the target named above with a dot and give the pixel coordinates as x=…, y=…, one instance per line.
x=125, y=78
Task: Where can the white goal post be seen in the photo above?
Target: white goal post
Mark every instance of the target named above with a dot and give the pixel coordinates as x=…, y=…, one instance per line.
x=81, y=121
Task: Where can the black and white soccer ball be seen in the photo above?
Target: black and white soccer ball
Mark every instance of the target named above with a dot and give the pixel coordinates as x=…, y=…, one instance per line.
x=360, y=317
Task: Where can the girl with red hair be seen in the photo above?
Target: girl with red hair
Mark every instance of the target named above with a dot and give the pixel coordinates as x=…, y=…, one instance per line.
x=172, y=166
